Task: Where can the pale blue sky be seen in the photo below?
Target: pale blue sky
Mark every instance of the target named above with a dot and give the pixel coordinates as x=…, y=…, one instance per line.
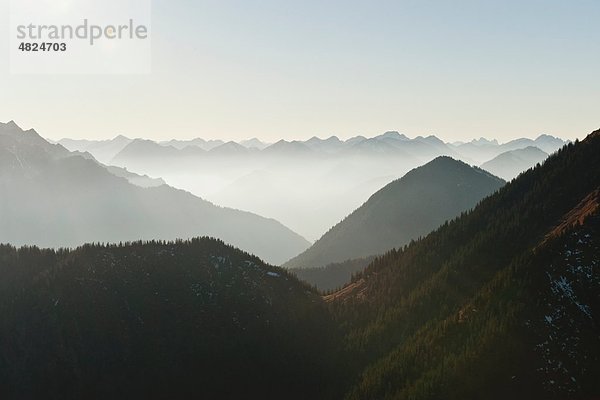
x=283, y=69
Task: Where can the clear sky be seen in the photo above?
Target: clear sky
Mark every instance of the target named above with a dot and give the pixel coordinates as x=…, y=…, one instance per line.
x=272, y=69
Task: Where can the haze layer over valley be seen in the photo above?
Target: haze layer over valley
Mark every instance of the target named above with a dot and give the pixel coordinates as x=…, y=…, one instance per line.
x=52, y=197
x=310, y=185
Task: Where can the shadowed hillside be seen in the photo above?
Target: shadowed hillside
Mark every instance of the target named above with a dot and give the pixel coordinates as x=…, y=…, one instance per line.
x=503, y=302
x=195, y=319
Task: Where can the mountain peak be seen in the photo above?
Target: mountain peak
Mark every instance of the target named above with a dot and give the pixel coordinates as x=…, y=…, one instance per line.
x=401, y=211
x=284, y=145
x=11, y=125
x=29, y=136
x=31, y=132
x=394, y=135
x=441, y=159
x=318, y=139
x=229, y=148
x=431, y=139
x=254, y=143
x=483, y=141
x=449, y=165
x=545, y=137
x=356, y=138
x=445, y=161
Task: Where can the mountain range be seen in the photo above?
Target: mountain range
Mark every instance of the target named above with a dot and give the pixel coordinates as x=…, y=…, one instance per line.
x=476, y=151
x=501, y=302
x=55, y=198
x=280, y=180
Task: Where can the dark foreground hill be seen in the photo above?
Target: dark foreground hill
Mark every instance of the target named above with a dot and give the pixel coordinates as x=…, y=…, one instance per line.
x=503, y=302
x=405, y=209
x=195, y=319
x=54, y=198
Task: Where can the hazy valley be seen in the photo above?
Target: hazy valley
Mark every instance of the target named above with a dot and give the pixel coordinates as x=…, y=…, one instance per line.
x=56, y=198
x=437, y=278
x=309, y=186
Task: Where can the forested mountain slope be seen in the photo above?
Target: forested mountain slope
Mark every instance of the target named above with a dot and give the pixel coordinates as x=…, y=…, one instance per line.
x=502, y=302
x=160, y=320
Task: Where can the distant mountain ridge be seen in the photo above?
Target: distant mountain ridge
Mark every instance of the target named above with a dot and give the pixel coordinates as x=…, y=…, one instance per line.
x=511, y=163
x=321, y=179
x=403, y=210
x=55, y=198
x=388, y=142
x=103, y=150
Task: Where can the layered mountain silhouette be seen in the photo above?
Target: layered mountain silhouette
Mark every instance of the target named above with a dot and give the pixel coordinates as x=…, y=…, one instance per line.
x=502, y=302
x=308, y=185
x=402, y=211
x=391, y=142
x=511, y=163
x=103, y=150
x=54, y=198
x=388, y=143
x=160, y=320
x=198, y=142
x=483, y=150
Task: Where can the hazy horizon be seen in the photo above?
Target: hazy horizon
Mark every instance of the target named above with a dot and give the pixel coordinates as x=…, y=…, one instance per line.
x=286, y=138
x=322, y=137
